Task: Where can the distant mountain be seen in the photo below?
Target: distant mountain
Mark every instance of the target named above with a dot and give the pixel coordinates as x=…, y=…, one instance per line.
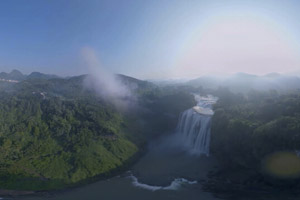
x=133, y=83
x=205, y=82
x=16, y=75
x=3, y=75
x=38, y=75
x=273, y=75
x=167, y=82
x=243, y=82
x=48, y=82
x=130, y=82
x=13, y=75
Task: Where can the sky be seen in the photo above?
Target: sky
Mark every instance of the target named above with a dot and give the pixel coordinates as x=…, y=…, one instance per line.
x=157, y=39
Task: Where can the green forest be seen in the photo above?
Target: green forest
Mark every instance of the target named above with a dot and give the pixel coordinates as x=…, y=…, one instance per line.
x=248, y=128
x=57, y=133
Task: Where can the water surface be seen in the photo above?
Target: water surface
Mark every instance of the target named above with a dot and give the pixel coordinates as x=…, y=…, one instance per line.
x=163, y=173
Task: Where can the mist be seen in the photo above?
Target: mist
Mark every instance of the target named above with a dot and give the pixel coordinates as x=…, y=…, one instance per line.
x=243, y=82
x=105, y=83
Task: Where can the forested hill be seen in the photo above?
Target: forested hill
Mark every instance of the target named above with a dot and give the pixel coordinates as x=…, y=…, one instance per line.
x=256, y=138
x=57, y=132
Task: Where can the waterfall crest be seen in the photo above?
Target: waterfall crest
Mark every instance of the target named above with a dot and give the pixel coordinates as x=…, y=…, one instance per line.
x=193, y=129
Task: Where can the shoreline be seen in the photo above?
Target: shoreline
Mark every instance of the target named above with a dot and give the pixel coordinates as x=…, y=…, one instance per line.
x=5, y=193
x=101, y=177
x=228, y=184
x=220, y=183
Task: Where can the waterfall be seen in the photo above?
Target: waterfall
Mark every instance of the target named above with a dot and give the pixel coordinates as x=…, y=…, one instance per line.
x=193, y=130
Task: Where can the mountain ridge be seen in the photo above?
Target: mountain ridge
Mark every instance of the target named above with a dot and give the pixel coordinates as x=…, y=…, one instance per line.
x=243, y=82
x=16, y=75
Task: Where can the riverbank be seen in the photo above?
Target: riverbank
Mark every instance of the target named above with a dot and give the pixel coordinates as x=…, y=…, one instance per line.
x=163, y=173
x=248, y=184
x=15, y=192
x=114, y=172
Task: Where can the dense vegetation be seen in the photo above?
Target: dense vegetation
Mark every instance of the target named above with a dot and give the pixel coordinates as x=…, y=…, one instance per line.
x=57, y=132
x=248, y=128
x=61, y=140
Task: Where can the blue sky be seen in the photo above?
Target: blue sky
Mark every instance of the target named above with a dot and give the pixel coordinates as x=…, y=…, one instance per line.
x=150, y=39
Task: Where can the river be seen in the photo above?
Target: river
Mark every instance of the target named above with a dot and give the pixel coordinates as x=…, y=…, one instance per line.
x=173, y=167
x=160, y=174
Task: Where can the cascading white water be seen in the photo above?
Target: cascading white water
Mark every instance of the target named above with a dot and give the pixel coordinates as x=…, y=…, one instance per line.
x=193, y=129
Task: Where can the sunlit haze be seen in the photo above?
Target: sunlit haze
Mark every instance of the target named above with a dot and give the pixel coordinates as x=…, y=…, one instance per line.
x=151, y=39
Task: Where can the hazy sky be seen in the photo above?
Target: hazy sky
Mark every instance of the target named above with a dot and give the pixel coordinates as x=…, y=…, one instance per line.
x=151, y=38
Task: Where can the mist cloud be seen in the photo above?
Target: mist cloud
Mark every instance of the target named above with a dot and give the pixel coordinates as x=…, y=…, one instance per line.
x=104, y=82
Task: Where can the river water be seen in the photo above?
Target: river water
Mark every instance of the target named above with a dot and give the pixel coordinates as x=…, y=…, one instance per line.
x=161, y=174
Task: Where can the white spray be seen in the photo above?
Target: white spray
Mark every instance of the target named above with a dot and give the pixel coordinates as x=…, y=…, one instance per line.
x=105, y=83
x=193, y=131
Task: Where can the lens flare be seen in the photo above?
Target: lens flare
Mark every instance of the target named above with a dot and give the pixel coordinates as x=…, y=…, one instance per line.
x=285, y=165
